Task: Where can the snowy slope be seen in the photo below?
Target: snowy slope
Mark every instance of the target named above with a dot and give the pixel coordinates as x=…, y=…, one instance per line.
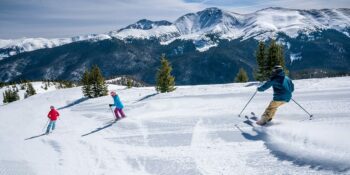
x=189, y=131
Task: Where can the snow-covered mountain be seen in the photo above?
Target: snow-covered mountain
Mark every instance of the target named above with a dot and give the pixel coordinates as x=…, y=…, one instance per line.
x=193, y=130
x=145, y=24
x=10, y=47
x=261, y=25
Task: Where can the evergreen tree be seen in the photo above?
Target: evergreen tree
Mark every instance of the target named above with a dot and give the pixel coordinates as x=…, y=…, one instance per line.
x=129, y=83
x=68, y=84
x=275, y=57
x=30, y=90
x=261, y=60
x=241, y=76
x=86, y=81
x=10, y=96
x=23, y=86
x=99, y=87
x=165, y=81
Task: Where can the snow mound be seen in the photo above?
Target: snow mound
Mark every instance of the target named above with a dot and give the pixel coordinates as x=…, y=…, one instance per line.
x=321, y=145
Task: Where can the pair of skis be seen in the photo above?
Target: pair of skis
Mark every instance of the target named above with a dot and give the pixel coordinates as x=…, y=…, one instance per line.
x=250, y=120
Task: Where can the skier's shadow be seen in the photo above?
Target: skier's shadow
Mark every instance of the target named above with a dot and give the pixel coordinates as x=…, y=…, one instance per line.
x=80, y=100
x=258, y=136
x=146, y=97
x=99, y=129
x=33, y=137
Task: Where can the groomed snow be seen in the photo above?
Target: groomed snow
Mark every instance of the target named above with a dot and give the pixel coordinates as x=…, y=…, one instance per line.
x=194, y=130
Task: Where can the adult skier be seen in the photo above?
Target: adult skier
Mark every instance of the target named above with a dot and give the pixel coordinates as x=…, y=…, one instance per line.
x=282, y=93
x=53, y=116
x=118, y=106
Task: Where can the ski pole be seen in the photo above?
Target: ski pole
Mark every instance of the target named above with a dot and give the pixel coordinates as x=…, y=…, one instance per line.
x=112, y=111
x=239, y=115
x=310, y=115
x=46, y=125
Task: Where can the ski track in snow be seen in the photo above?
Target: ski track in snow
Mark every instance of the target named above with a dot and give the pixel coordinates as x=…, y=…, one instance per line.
x=189, y=131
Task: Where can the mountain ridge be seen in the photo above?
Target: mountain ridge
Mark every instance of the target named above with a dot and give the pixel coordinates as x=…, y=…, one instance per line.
x=196, y=27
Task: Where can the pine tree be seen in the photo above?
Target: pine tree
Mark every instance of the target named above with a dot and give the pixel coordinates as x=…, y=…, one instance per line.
x=241, y=76
x=10, y=96
x=86, y=81
x=129, y=83
x=30, y=90
x=275, y=57
x=99, y=87
x=261, y=74
x=45, y=86
x=165, y=81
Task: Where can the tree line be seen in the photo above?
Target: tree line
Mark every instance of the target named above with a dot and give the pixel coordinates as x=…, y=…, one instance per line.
x=12, y=88
x=11, y=93
x=94, y=85
x=266, y=56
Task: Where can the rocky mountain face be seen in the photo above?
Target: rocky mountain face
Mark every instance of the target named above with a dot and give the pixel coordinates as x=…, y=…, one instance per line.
x=204, y=47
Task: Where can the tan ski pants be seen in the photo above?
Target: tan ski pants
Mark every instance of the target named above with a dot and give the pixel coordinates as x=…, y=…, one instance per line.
x=271, y=110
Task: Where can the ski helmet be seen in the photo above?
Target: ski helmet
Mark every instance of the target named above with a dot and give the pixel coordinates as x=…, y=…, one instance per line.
x=113, y=93
x=277, y=69
x=52, y=107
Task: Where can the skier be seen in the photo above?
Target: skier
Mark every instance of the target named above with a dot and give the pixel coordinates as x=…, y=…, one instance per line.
x=282, y=93
x=53, y=115
x=118, y=106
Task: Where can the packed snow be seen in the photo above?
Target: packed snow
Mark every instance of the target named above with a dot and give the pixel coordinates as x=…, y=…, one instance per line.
x=193, y=130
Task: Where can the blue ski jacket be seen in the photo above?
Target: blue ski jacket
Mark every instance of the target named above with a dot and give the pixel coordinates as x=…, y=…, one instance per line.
x=282, y=87
x=117, y=102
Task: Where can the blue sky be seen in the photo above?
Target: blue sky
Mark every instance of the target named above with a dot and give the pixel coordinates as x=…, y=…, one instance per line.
x=65, y=18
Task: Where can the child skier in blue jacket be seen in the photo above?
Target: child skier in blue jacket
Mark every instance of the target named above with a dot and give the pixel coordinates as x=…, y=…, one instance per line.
x=118, y=106
x=282, y=93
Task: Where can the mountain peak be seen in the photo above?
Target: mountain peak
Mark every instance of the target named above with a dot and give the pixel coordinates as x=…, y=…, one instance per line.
x=145, y=24
x=211, y=10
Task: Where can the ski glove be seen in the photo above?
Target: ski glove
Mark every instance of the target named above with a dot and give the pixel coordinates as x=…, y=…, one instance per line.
x=110, y=105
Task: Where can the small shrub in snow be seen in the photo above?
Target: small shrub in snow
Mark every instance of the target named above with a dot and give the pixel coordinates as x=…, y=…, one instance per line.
x=29, y=91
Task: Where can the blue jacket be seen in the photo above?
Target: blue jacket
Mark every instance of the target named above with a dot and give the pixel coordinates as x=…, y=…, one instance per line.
x=117, y=102
x=282, y=87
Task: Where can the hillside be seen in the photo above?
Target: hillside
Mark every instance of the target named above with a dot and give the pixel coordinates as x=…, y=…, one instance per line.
x=189, y=131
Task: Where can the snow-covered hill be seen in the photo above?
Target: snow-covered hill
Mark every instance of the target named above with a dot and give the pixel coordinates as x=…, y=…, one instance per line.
x=40, y=87
x=189, y=131
x=12, y=47
x=261, y=25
